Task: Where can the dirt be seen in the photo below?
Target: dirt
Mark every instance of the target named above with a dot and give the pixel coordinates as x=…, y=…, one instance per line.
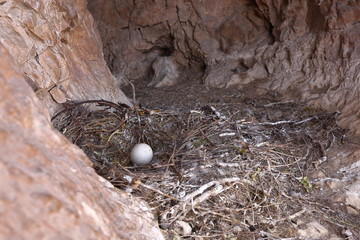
x=188, y=94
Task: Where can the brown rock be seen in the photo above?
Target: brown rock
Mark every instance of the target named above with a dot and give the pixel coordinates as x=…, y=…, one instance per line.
x=48, y=189
x=200, y=30
x=316, y=230
x=304, y=50
x=166, y=72
x=56, y=45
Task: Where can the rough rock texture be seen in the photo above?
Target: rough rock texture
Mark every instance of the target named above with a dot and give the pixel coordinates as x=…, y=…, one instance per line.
x=57, y=47
x=165, y=72
x=317, y=58
x=135, y=33
x=48, y=189
x=301, y=49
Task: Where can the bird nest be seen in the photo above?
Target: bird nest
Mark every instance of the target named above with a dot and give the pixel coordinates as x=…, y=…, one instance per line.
x=223, y=171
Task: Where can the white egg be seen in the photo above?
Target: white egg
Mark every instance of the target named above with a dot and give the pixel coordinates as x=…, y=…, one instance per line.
x=141, y=154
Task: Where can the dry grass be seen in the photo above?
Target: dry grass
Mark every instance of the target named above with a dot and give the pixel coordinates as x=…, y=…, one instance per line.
x=220, y=172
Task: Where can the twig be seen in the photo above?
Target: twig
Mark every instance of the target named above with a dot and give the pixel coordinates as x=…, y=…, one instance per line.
x=133, y=89
x=285, y=122
x=278, y=103
x=273, y=237
x=208, y=185
x=101, y=102
x=183, y=205
x=160, y=192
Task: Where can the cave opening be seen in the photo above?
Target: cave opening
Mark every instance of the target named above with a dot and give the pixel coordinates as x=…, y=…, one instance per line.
x=187, y=47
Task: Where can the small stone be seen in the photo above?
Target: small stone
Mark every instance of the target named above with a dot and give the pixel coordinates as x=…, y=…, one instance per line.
x=183, y=228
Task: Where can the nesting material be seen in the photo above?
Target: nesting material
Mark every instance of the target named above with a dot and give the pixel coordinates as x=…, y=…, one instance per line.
x=224, y=171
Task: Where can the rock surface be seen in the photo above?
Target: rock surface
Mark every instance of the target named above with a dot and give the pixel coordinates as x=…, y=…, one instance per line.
x=57, y=47
x=300, y=49
x=306, y=50
x=48, y=189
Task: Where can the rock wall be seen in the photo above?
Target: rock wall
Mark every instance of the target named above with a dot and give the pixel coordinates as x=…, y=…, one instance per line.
x=298, y=49
x=58, y=49
x=136, y=32
x=316, y=59
x=51, y=50
x=48, y=189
